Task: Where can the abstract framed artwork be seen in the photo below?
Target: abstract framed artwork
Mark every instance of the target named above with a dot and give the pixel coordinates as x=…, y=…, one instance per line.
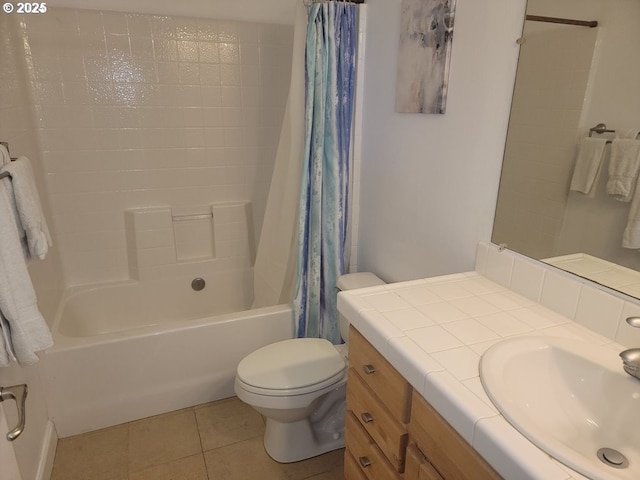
x=426, y=36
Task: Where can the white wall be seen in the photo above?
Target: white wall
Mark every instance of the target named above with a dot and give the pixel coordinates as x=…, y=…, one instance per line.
x=429, y=182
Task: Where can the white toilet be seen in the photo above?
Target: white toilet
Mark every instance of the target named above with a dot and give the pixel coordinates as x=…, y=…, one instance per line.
x=299, y=385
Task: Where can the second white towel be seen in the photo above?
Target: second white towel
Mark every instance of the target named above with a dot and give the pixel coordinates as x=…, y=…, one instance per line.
x=588, y=162
x=624, y=165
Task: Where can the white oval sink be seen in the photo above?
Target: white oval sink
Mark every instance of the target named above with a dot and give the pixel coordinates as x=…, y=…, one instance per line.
x=570, y=398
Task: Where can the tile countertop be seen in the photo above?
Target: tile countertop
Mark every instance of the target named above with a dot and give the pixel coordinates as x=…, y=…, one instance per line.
x=434, y=331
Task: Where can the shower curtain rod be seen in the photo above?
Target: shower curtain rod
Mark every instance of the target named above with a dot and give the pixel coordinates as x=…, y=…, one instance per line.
x=309, y=2
x=565, y=21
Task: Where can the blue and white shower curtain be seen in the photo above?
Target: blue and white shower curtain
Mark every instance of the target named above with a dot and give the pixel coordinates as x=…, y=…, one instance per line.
x=323, y=213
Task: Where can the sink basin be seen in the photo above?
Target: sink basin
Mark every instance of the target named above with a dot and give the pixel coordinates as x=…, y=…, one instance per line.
x=570, y=398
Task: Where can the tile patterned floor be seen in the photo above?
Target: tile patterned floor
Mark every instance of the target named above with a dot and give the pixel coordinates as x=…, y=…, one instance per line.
x=215, y=441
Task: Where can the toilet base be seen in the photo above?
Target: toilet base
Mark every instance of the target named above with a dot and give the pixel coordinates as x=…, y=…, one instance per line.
x=295, y=441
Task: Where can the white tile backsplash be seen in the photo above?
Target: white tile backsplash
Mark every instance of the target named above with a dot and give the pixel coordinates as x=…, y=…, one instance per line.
x=599, y=311
x=562, y=296
x=498, y=267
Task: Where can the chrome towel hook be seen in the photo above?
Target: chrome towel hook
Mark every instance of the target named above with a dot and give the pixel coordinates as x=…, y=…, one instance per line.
x=19, y=394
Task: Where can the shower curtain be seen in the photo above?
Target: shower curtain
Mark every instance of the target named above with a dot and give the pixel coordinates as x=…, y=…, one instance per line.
x=274, y=267
x=323, y=209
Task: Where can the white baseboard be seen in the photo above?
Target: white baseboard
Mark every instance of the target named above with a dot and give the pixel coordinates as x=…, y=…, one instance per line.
x=47, y=452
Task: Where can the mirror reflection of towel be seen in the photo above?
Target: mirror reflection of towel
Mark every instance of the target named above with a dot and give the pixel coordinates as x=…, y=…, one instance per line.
x=588, y=162
x=624, y=165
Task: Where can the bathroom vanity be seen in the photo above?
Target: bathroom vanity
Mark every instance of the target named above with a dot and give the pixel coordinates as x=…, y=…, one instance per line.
x=379, y=407
x=417, y=408
x=395, y=433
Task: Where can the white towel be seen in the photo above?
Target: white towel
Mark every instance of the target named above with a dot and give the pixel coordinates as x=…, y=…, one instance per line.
x=24, y=330
x=31, y=222
x=624, y=165
x=588, y=161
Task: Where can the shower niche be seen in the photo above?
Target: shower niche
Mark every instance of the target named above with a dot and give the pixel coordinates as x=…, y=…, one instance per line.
x=193, y=233
x=165, y=241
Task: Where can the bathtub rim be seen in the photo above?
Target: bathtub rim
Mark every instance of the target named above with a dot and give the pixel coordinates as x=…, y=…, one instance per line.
x=64, y=342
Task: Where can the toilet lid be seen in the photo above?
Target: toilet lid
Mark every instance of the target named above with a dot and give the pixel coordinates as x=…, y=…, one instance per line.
x=291, y=364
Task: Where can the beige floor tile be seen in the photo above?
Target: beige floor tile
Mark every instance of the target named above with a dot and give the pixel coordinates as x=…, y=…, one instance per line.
x=310, y=468
x=227, y=422
x=100, y=455
x=161, y=439
x=335, y=474
x=189, y=468
x=245, y=460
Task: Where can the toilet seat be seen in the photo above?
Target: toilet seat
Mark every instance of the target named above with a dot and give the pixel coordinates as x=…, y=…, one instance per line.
x=291, y=367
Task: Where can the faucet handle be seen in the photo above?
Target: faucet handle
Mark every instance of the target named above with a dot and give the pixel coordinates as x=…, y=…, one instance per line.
x=19, y=394
x=633, y=321
x=631, y=362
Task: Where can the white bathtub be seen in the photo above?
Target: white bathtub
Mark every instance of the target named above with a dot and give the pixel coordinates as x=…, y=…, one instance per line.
x=130, y=350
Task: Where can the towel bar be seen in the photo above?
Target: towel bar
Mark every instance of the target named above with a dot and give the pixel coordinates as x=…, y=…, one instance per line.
x=6, y=174
x=602, y=128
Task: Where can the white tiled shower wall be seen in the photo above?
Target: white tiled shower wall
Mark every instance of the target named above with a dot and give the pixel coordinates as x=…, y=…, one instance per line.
x=137, y=110
x=18, y=128
x=595, y=307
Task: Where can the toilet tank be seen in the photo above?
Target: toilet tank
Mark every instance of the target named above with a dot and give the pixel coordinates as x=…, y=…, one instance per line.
x=351, y=281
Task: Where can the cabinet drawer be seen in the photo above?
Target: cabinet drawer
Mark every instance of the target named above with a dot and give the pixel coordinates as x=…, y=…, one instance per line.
x=365, y=452
x=389, y=434
x=393, y=390
x=352, y=469
x=417, y=466
x=445, y=449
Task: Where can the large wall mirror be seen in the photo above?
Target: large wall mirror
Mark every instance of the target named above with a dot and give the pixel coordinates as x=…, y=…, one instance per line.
x=571, y=77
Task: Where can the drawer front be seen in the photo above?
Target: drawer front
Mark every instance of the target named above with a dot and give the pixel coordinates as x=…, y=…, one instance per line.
x=418, y=468
x=365, y=452
x=389, y=434
x=445, y=449
x=352, y=469
x=393, y=390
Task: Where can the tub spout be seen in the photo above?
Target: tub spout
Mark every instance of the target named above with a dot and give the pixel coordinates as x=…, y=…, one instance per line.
x=19, y=394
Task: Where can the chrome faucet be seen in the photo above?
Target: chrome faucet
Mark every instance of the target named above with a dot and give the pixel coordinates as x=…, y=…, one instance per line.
x=631, y=357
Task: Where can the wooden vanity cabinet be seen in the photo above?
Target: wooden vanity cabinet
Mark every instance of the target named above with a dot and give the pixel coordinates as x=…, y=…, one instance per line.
x=392, y=433
x=438, y=452
x=418, y=467
x=379, y=408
